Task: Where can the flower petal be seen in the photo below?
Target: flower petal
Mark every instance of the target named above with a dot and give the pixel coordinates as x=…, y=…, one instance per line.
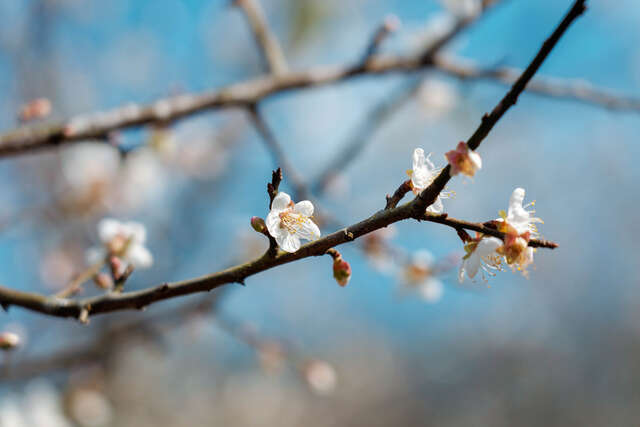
x=136, y=232
x=139, y=256
x=108, y=228
x=288, y=242
x=94, y=254
x=281, y=201
x=472, y=264
x=437, y=207
x=273, y=224
x=487, y=246
x=475, y=159
x=304, y=207
x=308, y=230
x=431, y=290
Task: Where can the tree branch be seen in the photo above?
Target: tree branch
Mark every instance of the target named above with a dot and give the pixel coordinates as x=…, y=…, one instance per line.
x=429, y=194
x=266, y=40
x=415, y=209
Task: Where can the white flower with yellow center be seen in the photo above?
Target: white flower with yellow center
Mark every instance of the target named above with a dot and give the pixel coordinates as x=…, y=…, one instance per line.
x=480, y=254
x=518, y=217
x=422, y=175
x=124, y=240
x=288, y=222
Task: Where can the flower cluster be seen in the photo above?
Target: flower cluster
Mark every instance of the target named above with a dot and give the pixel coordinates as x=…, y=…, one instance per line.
x=124, y=240
x=490, y=253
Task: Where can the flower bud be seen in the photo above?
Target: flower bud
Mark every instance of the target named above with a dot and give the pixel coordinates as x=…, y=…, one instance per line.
x=9, y=341
x=258, y=224
x=341, y=271
x=463, y=160
x=36, y=109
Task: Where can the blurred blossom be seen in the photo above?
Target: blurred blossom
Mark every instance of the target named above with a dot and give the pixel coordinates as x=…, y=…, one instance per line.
x=42, y=406
x=419, y=274
x=271, y=356
x=36, y=109
x=436, y=98
x=89, y=408
x=57, y=268
x=124, y=240
x=378, y=250
x=11, y=414
x=9, y=340
x=338, y=186
x=202, y=158
x=320, y=376
x=143, y=179
x=90, y=170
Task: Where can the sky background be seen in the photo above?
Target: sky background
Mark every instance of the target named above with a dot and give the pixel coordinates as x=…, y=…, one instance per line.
x=560, y=347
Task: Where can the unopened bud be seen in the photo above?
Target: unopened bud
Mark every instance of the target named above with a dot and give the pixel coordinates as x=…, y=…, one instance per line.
x=9, y=341
x=36, y=109
x=103, y=281
x=258, y=224
x=341, y=271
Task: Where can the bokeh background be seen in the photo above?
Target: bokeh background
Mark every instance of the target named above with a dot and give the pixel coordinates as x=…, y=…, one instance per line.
x=561, y=347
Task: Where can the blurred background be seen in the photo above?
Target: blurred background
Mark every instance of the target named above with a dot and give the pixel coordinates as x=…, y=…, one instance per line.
x=403, y=343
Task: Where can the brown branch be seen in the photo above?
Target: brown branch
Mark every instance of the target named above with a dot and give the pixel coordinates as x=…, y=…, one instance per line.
x=392, y=201
x=266, y=40
x=568, y=89
x=429, y=194
x=245, y=94
x=414, y=209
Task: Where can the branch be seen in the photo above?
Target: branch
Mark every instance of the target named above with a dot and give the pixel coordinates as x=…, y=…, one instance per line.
x=415, y=209
x=572, y=90
x=429, y=194
x=266, y=40
x=388, y=26
x=99, y=125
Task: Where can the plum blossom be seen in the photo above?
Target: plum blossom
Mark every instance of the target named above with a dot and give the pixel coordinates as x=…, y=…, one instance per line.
x=124, y=240
x=518, y=217
x=422, y=175
x=480, y=253
x=420, y=274
x=288, y=222
x=463, y=160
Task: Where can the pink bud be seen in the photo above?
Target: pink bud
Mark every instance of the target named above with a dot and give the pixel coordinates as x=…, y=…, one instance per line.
x=341, y=271
x=258, y=224
x=463, y=160
x=9, y=341
x=36, y=109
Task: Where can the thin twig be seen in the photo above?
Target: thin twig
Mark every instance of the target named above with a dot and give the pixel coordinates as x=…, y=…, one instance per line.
x=388, y=26
x=75, y=285
x=266, y=40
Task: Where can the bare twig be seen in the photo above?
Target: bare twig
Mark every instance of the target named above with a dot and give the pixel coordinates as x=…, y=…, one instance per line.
x=266, y=40
x=573, y=90
x=388, y=26
x=76, y=284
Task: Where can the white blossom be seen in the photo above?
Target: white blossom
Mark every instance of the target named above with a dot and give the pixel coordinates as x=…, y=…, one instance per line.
x=480, y=254
x=123, y=239
x=518, y=217
x=288, y=222
x=422, y=175
x=463, y=8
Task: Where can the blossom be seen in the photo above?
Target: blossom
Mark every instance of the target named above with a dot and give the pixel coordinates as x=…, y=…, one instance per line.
x=517, y=216
x=463, y=160
x=124, y=240
x=420, y=274
x=436, y=98
x=288, y=222
x=422, y=175
x=516, y=249
x=480, y=253
x=321, y=377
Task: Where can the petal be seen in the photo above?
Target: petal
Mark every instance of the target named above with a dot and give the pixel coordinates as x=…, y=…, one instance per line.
x=461, y=273
x=487, y=246
x=475, y=159
x=304, y=207
x=281, y=201
x=437, y=207
x=308, y=230
x=273, y=224
x=136, y=231
x=423, y=258
x=139, y=256
x=472, y=265
x=288, y=242
x=418, y=159
x=108, y=228
x=431, y=290
x=515, y=202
